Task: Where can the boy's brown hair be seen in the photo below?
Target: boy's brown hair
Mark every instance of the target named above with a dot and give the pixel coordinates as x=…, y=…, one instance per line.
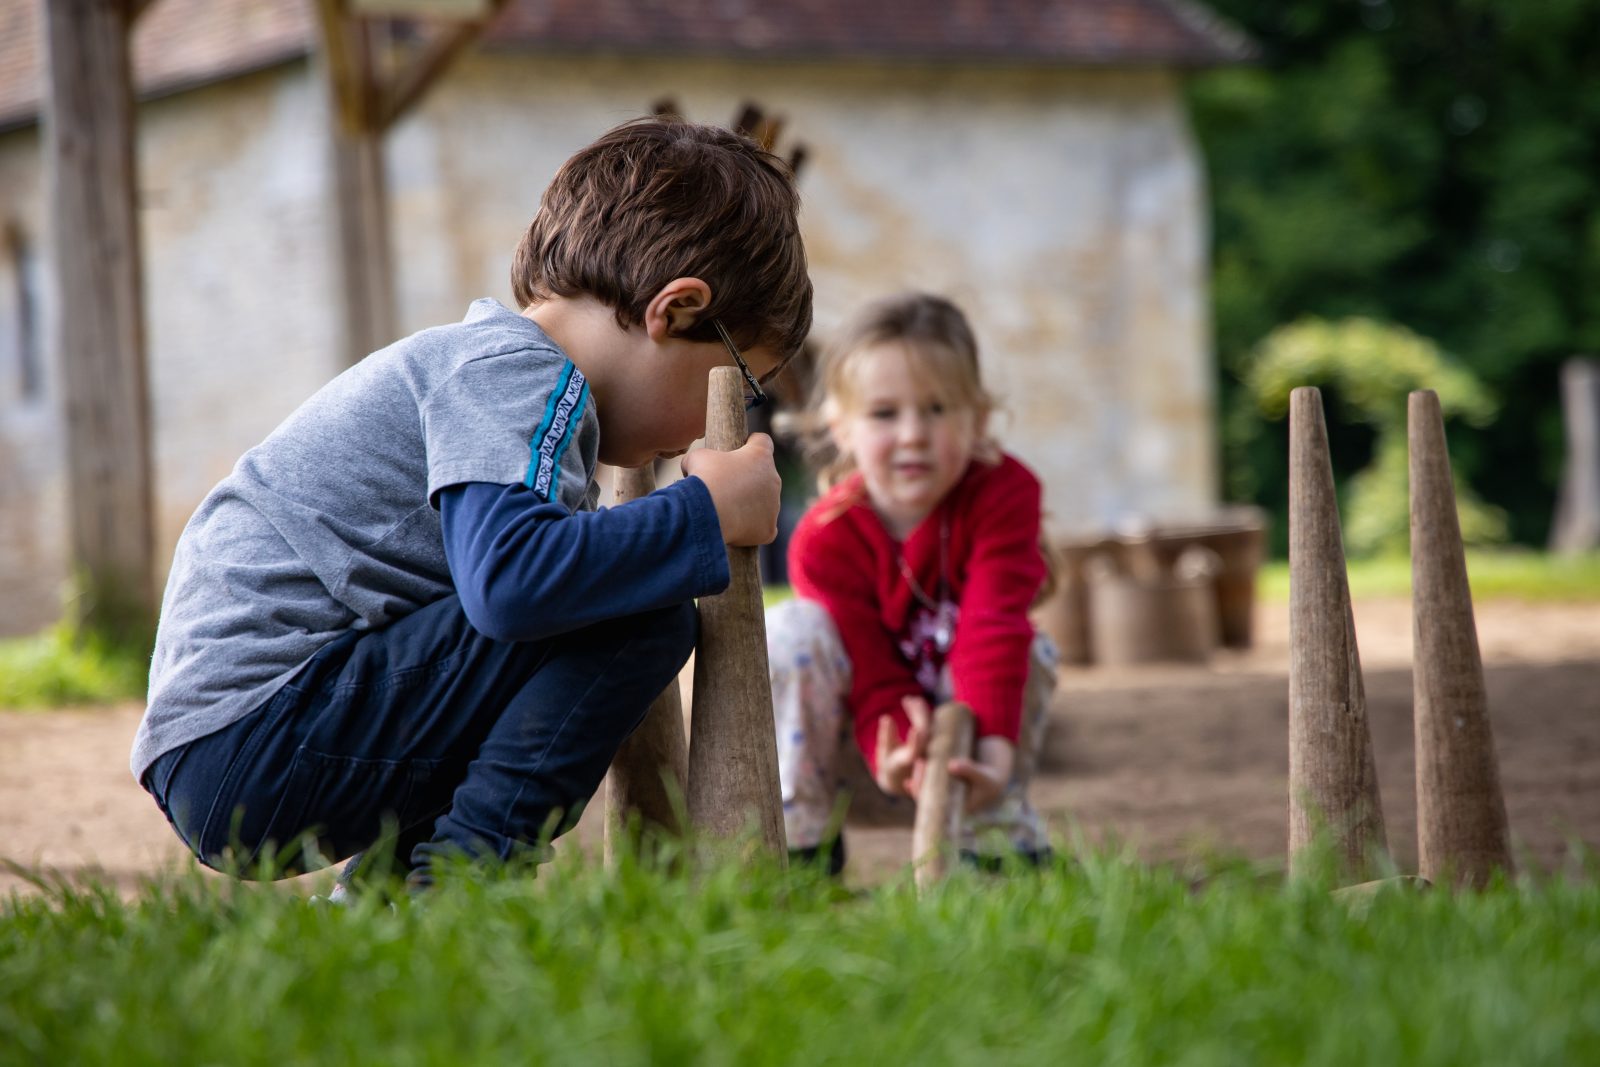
x=656, y=199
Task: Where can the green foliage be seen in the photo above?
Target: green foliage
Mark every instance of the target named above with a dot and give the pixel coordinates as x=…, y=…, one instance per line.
x=1499, y=574
x=1435, y=163
x=63, y=666
x=1099, y=960
x=1375, y=367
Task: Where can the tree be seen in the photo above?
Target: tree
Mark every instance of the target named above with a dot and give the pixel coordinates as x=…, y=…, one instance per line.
x=1435, y=165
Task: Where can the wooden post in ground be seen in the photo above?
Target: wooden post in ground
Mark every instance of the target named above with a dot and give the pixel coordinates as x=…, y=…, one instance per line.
x=1332, y=777
x=733, y=751
x=1577, y=521
x=942, y=801
x=95, y=330
x=1462, y=835
x=645, y=788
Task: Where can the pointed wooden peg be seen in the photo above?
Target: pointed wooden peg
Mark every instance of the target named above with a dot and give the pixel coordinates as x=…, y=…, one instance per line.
x=942, y=801
x=1462, y=836
x=646, y=786
x=733, y=749
x=1332, y=777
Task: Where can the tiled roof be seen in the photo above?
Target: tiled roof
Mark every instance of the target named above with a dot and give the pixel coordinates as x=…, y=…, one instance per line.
x=178, y=43
x=1057, y=32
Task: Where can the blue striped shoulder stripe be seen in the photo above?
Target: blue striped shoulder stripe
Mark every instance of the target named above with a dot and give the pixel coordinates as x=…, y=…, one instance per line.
x=562, y=414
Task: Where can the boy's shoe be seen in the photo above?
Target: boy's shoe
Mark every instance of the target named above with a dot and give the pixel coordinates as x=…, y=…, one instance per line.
x=990, y=863
x=337, y=897
x=830, y=853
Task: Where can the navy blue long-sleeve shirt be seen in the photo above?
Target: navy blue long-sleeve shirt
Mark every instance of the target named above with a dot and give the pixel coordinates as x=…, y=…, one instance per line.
x=526, y=569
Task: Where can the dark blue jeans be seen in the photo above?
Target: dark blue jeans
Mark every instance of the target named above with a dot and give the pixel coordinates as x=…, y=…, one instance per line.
x=425, y=728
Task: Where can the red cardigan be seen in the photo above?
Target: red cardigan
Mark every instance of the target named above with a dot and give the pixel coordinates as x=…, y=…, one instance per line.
x=842, y=556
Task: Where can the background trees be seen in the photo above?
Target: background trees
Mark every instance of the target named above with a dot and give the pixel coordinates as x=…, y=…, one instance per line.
x=1431, y=163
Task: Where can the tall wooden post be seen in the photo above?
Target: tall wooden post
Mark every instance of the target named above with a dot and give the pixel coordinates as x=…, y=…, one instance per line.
x=371, y=87
x=1461, y=814
x=360, y=186
x=733, y=749
x=1332, y=777
x=366, y=265
x=95, y=326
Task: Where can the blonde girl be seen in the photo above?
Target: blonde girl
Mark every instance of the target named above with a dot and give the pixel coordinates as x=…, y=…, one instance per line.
x=913, y=576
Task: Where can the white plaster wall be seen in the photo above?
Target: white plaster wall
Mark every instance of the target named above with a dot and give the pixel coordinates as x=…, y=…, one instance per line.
x=33, y=525
x=241, y=293
x=1064, y=210
x=240, y=305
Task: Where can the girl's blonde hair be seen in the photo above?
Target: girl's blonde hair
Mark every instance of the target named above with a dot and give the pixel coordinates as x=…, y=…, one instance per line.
x=935, y=335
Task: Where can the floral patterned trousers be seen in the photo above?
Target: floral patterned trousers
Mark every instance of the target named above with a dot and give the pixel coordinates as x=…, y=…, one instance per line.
x=825, y=780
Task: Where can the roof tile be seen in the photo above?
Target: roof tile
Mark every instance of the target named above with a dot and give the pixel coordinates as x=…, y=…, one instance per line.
x=186, y=42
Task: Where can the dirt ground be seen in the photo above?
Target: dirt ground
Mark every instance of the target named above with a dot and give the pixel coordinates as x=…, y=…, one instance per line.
x=1174, y=761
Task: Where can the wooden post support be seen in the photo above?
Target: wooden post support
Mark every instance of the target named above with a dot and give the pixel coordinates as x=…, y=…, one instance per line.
x=1461, y=816
x=1332, y=776
x=1577, y=520
x=733, y=751
x=942, y=801
x=95, y=330
x=648, y=775
x=368, y=94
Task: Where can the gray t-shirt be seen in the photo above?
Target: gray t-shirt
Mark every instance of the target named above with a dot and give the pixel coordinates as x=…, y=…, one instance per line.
x=330, y=524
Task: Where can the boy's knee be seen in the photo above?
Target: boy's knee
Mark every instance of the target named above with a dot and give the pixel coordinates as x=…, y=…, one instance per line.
x=671, y=632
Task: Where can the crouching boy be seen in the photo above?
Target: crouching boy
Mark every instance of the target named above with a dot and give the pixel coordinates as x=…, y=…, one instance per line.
x=403, y=610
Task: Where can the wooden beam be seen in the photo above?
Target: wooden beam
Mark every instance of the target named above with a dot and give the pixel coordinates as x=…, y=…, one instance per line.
x=340, y=55
x=368, y=99
x=95, y=329
x=366, y=270
x=413, y=82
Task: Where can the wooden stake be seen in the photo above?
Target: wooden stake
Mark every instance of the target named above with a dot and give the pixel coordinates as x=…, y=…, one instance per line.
x=942, y=801
x=733, y=751
x=649, y=773
x=1461, y=816
x=1332, y=777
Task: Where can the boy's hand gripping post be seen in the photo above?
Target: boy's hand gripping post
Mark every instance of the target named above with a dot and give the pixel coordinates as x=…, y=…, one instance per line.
x=733, y=751
x=942, y=796
x=645, y=787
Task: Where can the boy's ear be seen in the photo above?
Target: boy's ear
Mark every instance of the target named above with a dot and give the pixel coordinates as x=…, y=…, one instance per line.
x=676, y=308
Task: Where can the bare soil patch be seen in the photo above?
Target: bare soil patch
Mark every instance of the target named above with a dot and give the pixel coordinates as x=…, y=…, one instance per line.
x=1172, y=761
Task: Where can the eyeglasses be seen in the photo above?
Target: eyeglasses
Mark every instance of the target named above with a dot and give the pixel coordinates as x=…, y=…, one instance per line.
x=755, y=397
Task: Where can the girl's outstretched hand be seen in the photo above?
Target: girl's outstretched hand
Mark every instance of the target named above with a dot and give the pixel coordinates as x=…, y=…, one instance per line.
x=986, y=776
x=900, y=766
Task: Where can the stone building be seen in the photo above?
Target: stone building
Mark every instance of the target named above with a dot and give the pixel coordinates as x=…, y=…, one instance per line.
x=1031, y=159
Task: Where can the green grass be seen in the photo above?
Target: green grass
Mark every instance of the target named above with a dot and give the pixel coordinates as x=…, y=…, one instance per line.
x=59, y=666
x=1101, y=960
x=1494, y=574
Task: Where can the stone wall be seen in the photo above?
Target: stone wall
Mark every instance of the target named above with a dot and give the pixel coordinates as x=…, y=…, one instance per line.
x=240, y=310
x=32, y=490
x=1065, y=210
